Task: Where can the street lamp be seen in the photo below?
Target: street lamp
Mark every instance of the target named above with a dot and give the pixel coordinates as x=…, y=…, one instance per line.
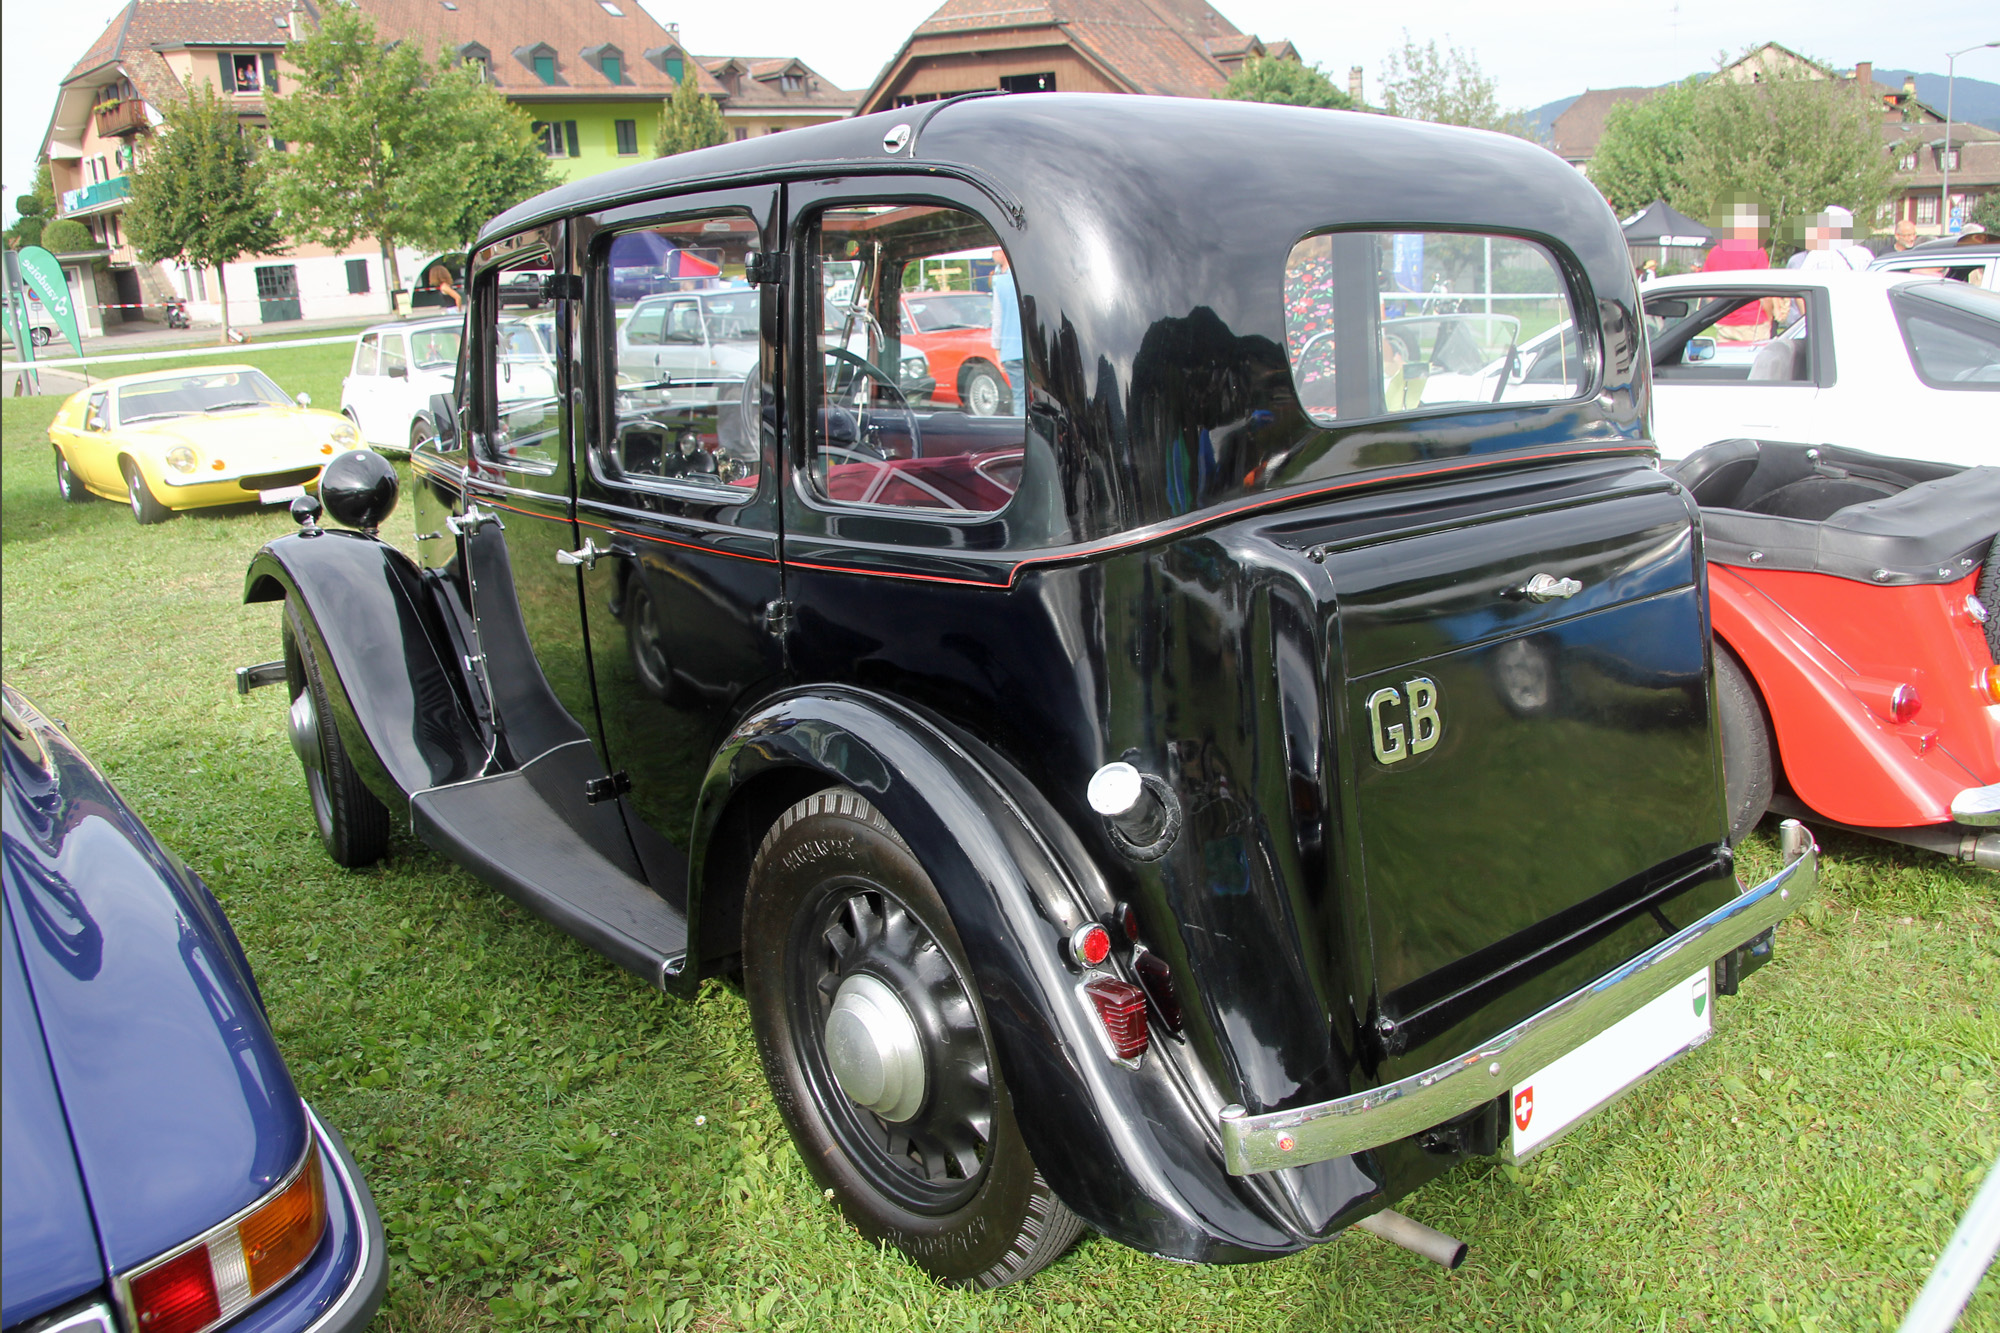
x=1950, y=82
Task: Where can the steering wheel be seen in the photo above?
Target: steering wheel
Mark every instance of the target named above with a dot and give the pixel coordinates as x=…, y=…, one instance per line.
x=867, y=425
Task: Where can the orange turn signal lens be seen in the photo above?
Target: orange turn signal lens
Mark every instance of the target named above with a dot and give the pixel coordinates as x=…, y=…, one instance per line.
x=280, y=1236
x=1988, y=684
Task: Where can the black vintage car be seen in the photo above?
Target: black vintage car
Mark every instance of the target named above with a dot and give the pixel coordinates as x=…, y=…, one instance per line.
x=1272, y=763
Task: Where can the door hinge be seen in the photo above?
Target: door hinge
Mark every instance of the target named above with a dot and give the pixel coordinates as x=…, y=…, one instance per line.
x=764, y=268
x=607, y=788
x=778, y=616
x=563, y=287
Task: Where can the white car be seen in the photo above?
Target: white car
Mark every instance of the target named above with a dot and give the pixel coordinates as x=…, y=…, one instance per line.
x=1886, y=362
x=398, y=367
x=696, y=346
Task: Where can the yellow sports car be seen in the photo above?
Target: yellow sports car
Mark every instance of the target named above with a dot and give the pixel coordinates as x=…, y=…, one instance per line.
x=193, y=438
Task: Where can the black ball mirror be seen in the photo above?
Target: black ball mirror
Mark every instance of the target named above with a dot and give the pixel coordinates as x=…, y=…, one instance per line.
x=359, y=489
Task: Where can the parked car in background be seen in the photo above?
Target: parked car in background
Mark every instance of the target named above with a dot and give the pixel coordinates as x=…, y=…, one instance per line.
x=954, y=331
x=397, y=368
x=1882, y=362
x=1978, y=264
x=191, y=439
x=162, y=1173
x=1203, y=805
x=1856, y=602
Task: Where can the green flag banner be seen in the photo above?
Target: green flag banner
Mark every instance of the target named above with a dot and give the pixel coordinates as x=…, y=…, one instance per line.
x=44, y=277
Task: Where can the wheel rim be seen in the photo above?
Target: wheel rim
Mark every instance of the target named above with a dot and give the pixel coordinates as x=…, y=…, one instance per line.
x=882, y=1016
x=65, y=479
x=984, y=395
x=302, y=729
x=420, y=434
x=132, y=494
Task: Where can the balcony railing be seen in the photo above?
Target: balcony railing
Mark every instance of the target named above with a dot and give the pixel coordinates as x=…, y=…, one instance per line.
x=125, y=116
x=96, y=196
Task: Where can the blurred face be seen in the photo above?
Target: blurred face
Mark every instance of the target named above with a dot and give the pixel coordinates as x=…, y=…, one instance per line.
x=1906, y=234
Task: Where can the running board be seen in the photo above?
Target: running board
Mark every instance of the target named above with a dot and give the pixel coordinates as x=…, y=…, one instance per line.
x=502, y=830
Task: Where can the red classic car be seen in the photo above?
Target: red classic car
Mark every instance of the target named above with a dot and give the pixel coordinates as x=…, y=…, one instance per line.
x=1856, y=609
x=954, y=332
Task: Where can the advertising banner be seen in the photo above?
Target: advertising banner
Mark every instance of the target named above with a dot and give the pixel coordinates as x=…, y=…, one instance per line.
x=44, y=277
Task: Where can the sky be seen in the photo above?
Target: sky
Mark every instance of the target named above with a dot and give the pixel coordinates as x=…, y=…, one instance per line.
x=1535, y=50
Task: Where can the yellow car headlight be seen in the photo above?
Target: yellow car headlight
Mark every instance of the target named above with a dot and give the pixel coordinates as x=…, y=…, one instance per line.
x=181, y=458
x=346, y=436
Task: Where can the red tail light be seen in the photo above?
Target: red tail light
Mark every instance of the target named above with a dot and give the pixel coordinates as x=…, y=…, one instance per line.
x=1090, y=944
x=1896, y=701
x=1904, y=704
x=222, y=1272
x=1121, y=1007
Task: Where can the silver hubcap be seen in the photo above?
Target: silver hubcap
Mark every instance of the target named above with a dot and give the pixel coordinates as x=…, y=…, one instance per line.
x=875, y=1050
x=985, y=396
x=302, y=725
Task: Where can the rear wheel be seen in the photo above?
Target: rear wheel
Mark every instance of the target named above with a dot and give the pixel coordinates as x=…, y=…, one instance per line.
x=872, y=1035
x=421, y=433
x=67, y=485
x=144, y=507
x=983, y=391
x=353, y=824
x=1747, y=747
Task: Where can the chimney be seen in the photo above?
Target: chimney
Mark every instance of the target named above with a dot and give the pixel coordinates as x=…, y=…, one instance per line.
x=1354, y=85
x=1864, y=74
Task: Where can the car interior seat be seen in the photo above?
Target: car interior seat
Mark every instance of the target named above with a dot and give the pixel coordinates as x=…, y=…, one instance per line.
x=1782, y=360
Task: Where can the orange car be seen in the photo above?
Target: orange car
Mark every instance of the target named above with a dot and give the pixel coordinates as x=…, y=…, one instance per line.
x=954, y=332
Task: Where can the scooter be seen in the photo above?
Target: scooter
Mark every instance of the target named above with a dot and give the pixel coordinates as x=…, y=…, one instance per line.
x=177, y=315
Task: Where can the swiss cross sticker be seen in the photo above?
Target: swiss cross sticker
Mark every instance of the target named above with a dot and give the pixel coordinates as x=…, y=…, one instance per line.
x=1524, y=1107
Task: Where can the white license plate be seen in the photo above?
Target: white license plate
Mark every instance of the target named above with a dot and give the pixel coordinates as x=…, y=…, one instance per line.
x=1574, y=1085
x=281, y=495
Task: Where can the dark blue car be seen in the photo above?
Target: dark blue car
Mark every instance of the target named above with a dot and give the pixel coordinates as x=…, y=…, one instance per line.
x=162, y=1174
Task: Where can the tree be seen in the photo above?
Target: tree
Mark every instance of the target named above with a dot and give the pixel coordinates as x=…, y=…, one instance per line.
x=386, y=144
x=66, y=236
x=1793, y=142
x=37, y=209
x=1986, y=212
x=1639, y=159
x=688, y=121
x=1287, y=82
x=1423, y=83
x=198, y=192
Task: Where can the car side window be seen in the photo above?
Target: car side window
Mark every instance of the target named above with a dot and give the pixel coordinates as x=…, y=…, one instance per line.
x=686, y=370
x=1731, y=336
x=394, y=360
x=1952, y=336
x=1387, y=323
x=367, y=354
x=522, y=379
x=97, y=416
x=915, y=382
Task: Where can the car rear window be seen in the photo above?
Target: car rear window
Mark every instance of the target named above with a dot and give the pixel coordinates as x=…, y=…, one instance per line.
x=1952, y=333
x=1390, y=323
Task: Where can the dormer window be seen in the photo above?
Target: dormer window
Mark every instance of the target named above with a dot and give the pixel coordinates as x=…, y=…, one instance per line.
x=611, y=9
x=247, y=71
x=477, y=57
x=541, y=58
x=791, y=83
x=669, y=61
x=608, y=60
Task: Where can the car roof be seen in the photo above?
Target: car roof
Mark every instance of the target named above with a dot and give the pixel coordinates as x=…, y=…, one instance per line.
x=1783, y=277
x=1938, y=255
x=413, y=325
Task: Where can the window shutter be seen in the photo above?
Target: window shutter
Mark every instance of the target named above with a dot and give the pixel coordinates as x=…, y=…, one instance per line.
x=270, y=73
x=228, y=68
x=569, y=132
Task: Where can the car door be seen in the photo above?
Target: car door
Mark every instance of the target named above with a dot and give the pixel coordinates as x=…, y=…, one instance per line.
x=358, y=391
x=1709, y=387
x=92, y=454
x=518, y=530
x=678, y=496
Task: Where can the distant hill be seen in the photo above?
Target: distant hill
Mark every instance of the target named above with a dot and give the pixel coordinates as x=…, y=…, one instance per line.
x=1974, y=101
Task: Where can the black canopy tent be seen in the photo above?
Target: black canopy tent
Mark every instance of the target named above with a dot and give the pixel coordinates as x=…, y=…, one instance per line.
x=1662, y=233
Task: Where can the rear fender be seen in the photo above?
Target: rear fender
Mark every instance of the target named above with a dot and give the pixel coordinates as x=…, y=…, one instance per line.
x=1130, y=1150
x=389, y=668
x=1837, y=755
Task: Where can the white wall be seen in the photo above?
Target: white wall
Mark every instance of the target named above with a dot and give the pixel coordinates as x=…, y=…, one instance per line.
x=322, y=287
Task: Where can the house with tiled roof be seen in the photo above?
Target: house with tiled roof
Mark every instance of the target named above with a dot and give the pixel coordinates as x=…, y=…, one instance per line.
x=1573, y=135
x=146, y=59
x=1174, y=48
x=767, y=94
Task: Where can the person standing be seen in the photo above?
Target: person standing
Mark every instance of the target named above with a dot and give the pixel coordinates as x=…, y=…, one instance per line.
x=1006, y=324
x=1830, y=243
x=1906, y=234
x=1742, y=248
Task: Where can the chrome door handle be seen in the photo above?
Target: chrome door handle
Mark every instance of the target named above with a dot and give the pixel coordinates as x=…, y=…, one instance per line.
x=587, y=556
x=1549, y=588
x=472, y=520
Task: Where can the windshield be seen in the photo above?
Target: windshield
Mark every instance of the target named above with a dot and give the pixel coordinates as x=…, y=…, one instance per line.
x=955, y=310
x=186, y=395
x=432, y=348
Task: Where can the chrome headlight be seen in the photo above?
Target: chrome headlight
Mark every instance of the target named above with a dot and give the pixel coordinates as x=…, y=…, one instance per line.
x=915, y=367
x=181, y=458
x=346, y=436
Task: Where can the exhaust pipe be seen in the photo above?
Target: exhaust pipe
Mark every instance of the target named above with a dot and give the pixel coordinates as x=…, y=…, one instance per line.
x=1981, y=849
x=1414, y=1236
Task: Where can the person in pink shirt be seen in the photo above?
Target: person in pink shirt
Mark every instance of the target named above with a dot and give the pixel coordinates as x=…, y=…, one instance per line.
x=1745, y=222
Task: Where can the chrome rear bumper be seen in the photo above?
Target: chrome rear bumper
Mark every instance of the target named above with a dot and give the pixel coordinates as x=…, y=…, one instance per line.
x=1302, y=1134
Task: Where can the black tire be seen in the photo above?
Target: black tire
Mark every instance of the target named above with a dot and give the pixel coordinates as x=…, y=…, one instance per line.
x=353, y=824
x=144, y=507
x=67, y=486
x=1747, y=746
x=835, y=895
x=1989, y=596
x=39, y=337
x=982, y=392
x=421, y=433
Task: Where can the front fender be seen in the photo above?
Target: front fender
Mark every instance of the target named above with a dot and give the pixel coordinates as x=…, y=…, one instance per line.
x=1130, y=1150
x=386, y=659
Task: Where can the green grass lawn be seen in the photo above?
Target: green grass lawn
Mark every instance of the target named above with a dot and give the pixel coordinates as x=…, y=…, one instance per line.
x=553, y=1145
